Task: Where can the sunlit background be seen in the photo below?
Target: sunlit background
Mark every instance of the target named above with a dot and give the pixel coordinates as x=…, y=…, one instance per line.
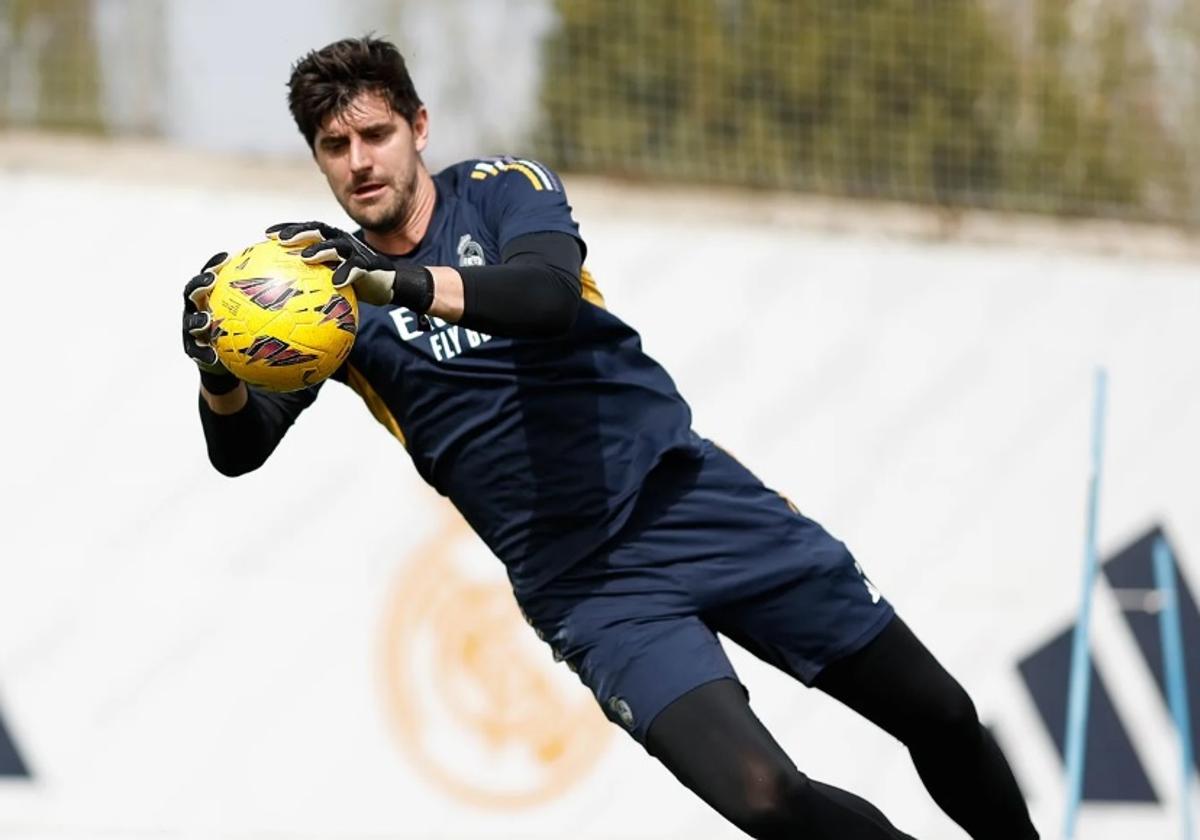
x=882, y=246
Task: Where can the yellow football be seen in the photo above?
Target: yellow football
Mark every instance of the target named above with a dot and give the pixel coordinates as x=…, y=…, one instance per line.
x=278, y=322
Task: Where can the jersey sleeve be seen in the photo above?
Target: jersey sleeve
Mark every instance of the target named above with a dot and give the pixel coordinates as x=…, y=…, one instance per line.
x=241, y=442
x=518, y=196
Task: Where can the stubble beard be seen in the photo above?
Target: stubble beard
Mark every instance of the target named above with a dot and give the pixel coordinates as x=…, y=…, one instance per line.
x=387, y=219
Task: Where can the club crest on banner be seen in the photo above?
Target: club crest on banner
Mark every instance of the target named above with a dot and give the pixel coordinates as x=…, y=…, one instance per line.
x=476, y=702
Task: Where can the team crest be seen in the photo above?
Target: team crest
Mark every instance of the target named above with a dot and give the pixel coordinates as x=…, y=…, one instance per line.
x=620, y=709
x=470, y=252
x=477, y=707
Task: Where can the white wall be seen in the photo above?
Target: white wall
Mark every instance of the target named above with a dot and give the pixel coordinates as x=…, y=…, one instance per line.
x=184, y=655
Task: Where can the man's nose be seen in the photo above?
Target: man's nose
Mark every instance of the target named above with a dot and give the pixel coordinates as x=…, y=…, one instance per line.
x=360, y=158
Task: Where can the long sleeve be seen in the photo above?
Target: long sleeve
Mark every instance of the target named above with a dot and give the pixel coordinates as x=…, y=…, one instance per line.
x=535, y=292
x=242, y=441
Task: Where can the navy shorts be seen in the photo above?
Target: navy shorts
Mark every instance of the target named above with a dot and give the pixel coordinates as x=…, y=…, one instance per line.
x=708, y=549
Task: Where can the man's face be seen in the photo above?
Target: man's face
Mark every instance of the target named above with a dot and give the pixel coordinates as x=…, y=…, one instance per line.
x=370, y=156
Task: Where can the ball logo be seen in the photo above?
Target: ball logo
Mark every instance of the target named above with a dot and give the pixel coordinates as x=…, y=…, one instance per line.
x=270, y=293
x=475, y=700
x=275, y=353
x=340, y=311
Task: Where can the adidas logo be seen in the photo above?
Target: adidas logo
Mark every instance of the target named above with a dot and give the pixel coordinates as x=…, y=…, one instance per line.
x=1115, y=767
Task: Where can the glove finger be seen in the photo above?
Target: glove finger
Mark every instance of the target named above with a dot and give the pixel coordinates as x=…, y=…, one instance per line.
x=327, y=250
x=285, y=230
x=200, y=281
x=300, y=237
x=202, y=353
x=197, y=292
x=300, y=233
x=197, y=325
x=215, y=263
x=344, y=275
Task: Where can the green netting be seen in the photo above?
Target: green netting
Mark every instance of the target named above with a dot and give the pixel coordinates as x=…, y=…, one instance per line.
x=1080, y=107
x=1017, y=104
x=49, y=70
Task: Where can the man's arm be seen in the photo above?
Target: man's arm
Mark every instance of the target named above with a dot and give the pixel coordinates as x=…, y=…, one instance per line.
x=243, y=427
x=534, y=292
x=227, y=403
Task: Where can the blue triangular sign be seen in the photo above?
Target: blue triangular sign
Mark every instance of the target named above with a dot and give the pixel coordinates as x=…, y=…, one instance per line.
x=11, y=763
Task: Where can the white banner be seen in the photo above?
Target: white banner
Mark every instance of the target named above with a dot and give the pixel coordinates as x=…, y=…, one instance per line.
x=321, y=649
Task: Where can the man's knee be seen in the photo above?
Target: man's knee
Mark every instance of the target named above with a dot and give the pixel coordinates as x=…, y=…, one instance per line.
x=960, y=713
x=947, y=716
x=781, y=803
x=774, y=803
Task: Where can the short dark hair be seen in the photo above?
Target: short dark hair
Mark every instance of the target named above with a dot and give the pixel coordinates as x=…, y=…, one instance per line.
x=325, y=82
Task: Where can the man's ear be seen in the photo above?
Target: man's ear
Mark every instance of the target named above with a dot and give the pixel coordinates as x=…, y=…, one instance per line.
x=420, y=128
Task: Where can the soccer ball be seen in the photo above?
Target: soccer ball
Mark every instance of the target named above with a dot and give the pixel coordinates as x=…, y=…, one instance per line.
x=278, y=322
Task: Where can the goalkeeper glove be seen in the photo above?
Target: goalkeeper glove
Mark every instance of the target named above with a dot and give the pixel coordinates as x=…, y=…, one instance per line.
x=375, y=277
x=197, y=328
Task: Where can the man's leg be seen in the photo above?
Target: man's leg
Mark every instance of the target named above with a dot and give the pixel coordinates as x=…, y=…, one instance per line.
x=896, y=683
x=712, y=742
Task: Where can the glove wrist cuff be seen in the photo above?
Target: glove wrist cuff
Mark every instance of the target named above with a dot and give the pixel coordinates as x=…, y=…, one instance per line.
x=218, y=383
x=413, y=287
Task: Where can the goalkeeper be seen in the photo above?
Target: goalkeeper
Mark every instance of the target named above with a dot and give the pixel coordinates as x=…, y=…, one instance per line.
x=631, y=542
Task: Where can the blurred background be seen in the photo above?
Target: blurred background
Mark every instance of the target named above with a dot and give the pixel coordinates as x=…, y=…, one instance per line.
x=1081, y=108
x=932, y=220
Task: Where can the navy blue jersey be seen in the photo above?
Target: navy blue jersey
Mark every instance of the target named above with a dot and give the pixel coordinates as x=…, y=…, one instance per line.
x=542, y=444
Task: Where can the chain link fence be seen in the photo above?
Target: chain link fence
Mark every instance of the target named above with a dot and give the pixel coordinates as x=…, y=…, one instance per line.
x=1075, y=107
x=1051, y=106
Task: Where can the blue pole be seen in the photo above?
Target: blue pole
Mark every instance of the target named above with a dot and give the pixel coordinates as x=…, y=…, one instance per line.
x=1081, y=661
x=1175, y=670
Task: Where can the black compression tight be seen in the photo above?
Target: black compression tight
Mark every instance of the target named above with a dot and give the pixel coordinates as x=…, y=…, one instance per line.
x=715, y=745
x=896, y=683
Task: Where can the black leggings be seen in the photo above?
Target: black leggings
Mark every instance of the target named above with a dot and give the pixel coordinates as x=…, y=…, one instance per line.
x=715, y=745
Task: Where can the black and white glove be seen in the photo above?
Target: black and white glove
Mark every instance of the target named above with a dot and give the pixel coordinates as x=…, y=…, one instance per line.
x=376, y=279
x=197, y=328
